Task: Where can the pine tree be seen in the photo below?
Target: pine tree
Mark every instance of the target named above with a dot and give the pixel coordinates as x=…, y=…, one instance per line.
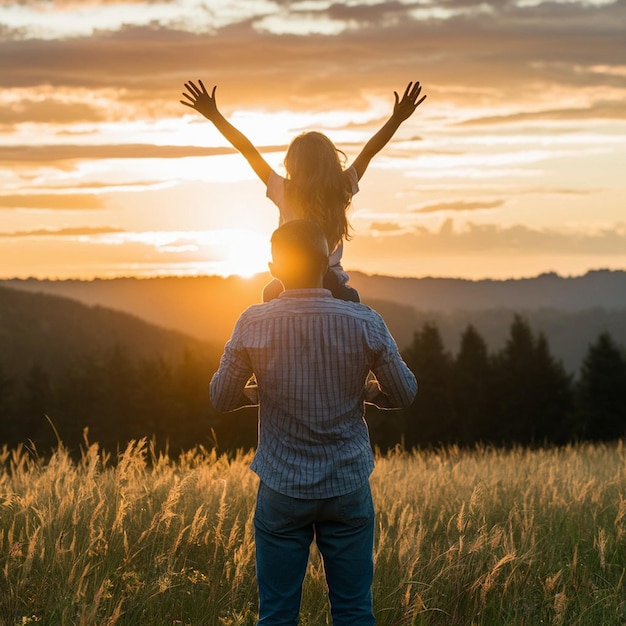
x=35, y=402
x=473, y=388
x=600, y=391
x=553, y=395
x=430, y=420
x=120, y=401
x=7, y=421
x=81, y=399
x=532, y=389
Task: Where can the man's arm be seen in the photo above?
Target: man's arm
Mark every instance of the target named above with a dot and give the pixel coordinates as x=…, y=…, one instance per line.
x=199, y=99
x=394, y=385
x=228, y=388
x=402, y=110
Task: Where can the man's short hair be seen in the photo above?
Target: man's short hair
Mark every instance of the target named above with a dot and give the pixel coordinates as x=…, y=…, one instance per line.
x=303, y=239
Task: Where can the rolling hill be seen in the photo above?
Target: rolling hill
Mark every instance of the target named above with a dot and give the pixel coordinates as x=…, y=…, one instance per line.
x=596, y=289
x=571, y=312
x=53, y=331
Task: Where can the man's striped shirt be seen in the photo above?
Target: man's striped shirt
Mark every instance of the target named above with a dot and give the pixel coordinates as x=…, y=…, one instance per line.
x=311, y=355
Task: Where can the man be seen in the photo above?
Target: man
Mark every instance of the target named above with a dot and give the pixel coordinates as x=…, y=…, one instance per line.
x=311, y=356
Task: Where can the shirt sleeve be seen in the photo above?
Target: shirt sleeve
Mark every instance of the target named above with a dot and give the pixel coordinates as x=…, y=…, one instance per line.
x=276, y=193
x=353, y=179
x=228, y=385
x=397, y=385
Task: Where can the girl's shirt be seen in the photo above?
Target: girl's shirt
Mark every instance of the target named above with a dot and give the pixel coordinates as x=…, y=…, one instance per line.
x=287, y=213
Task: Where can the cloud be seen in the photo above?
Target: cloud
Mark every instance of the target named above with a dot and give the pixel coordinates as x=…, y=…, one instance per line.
x=564, y=191
x=80, y=231
x=64, y=5
x=61, y=201
x=386, y=227
x=460, y=205
x=49, y=111
x=601, y=110
x=485, y=239
x=498, y=46
x=51, y=153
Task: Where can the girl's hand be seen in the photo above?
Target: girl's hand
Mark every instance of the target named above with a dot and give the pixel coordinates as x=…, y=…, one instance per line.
x=200, y=100
x=405, y=106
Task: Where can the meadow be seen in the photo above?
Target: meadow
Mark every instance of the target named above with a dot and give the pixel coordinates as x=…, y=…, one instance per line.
x=464, y=537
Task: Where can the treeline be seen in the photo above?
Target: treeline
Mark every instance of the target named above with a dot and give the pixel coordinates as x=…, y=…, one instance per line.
x=117, y=398
x=519, y=394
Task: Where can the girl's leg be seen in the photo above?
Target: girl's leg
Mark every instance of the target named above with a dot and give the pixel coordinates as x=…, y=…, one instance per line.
x=339, y=290
x=272, y=290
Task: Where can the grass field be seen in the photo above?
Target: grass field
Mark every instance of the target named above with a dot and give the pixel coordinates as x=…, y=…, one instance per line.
x=487, y=537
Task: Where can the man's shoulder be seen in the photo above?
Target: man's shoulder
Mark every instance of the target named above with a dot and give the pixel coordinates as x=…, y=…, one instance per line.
x=254, y=311
x=312, y=306
x=323, y=306
x=358, y=309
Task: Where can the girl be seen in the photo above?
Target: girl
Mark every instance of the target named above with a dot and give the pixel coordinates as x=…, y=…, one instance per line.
x=317, y=187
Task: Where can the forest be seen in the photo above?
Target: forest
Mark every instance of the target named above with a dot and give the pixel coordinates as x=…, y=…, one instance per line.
x=519, y=394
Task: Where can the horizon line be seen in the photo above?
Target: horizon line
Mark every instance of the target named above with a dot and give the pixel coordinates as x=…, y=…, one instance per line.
x=256, y=275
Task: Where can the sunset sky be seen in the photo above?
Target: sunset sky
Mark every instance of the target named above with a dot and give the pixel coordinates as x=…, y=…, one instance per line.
x=514, y=165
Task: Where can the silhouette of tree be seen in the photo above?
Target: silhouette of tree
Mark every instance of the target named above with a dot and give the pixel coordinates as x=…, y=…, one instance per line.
x=532, y=390
x=174, y=400
x=191, y=388
x=7, y=425
x=473, y=388
x=430, y=419
x=601, y=408
x=554, y=396
x=158, y=408
x=80, y=393
x=35, y=401
x=120, y=401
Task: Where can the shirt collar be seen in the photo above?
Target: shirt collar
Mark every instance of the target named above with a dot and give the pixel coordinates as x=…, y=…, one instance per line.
x=306, y=293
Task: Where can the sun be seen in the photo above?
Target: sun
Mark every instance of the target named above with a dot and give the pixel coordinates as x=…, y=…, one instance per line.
x=246, y=253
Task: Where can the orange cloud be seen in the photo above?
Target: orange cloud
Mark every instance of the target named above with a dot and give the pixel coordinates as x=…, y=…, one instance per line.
x=48, y=111
x=486, y=239
x=600, y=110
x=60, y=201
x=62, y=232
x=461, y=205
x=49, y=153
x=458, y=52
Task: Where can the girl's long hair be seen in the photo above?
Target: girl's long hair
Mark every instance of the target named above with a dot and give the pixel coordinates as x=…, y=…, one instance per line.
x=317, y=185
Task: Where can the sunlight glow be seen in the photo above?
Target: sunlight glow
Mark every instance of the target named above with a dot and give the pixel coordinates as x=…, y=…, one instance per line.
x=226, y=252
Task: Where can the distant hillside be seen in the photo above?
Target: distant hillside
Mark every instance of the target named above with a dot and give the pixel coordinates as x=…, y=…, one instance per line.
x=597, y=289
x=569, y=333
x=203, y=307
x=52, y=331
x=570, y=311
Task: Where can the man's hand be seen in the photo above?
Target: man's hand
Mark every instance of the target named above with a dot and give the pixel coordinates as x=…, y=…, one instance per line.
x=251, y=390
x=372, y=389
x=405, y=106
x=200, y=100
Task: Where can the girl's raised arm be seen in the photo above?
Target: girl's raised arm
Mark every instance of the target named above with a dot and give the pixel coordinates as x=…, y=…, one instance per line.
x=402, y=110
x=199, y=99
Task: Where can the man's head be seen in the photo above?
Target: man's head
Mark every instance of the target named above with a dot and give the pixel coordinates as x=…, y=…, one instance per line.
x=299, y=255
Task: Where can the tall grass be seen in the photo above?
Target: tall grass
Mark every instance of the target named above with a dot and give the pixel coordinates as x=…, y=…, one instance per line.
x=483, y=537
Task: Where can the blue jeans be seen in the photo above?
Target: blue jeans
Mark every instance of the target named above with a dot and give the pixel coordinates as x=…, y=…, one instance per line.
x=343, y=527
